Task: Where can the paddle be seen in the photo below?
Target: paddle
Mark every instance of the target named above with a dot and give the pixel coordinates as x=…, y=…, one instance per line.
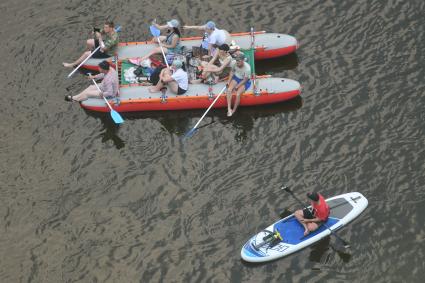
x=85, y=60
x=156, y=32
x=288, y=190
x=114, y=114
x=117, y=29
x=192, y=131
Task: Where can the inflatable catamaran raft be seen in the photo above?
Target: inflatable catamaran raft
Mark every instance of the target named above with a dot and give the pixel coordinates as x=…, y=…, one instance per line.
x=136, y=96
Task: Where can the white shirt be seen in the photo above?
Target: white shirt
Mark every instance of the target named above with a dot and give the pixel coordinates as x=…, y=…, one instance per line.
x=217, y=37
x=181, y=78
x=241, y=73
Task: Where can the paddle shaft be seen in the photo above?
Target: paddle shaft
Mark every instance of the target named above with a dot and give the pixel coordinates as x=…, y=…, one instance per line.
x=101, y=94
x=286, y=189
x=85, y=60
x=215, y=100
x=163, y=54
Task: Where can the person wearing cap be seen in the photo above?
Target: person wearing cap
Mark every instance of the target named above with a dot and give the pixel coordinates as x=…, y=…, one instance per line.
x=239, y=81
x=107, y=39
x=175, y=77
x=219, y=65
x=312, y=218
x=108, y=87
x=170, y=42
x=215, y=37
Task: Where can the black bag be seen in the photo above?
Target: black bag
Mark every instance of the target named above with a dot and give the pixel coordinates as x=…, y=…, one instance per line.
x=139, y=72
x=154, y=78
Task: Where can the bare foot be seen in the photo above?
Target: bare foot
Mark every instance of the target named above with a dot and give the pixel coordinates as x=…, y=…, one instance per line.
x=67, y=65
x=306, y=232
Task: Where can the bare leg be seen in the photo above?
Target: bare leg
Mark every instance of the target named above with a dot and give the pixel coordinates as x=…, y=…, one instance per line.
x=91, y=91
x=239, y=92
x=229, y=97
x=173, y=86
x=78, y=61
x=156, y=50
x=90, y=44
x=312, y=226
x=299, y=215
x=160, y=84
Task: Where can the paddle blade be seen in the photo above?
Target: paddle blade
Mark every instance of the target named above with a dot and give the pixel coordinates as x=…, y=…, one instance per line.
x=154, y=31
x=190, y=133
x=116, y=117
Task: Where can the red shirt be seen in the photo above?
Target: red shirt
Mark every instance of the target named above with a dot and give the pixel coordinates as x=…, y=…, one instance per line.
x=321, y=209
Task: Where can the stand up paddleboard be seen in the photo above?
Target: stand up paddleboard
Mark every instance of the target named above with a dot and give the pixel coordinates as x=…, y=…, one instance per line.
x=286, y=235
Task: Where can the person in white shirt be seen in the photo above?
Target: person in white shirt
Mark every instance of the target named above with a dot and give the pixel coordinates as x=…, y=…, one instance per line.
x=174, y=77
x=215, y=36
x=239, y=81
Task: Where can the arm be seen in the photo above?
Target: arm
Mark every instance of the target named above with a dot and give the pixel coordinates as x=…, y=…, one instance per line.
x=195, y=27
x=213, y=59
x=96, y=77
x=225, y=64
x=245, y=79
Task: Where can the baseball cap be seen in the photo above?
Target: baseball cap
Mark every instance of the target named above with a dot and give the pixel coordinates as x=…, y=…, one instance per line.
x=210, y=25
x=177, y=63
x=240, y=57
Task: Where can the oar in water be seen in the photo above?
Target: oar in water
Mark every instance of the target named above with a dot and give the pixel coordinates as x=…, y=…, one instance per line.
x=192, y=131
x=345, y=244
x=156, y=32
x=114, y=114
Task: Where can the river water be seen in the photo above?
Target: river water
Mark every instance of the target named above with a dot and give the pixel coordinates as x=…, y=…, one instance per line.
x=85, y=201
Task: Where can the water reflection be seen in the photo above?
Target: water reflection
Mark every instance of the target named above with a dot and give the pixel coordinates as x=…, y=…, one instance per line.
x=179, y=122
x=269, y=66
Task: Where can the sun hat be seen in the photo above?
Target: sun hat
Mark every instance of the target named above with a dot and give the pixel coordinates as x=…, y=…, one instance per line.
x=173, y=23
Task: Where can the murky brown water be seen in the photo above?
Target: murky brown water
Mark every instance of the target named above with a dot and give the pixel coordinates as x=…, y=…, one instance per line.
x=84, y=201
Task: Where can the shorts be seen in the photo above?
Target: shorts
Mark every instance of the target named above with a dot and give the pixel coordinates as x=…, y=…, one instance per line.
x=238, y=80
x=307, y=213
x=181, y=91
x=99, y=54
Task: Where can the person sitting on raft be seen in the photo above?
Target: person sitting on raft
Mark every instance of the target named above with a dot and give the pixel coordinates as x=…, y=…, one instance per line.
x=108, y=86
x=312, y=218
x=170, y=43
x=175, y=77
x=219, y=65
x=107, y=39
x=238, y=81
x=216, y=37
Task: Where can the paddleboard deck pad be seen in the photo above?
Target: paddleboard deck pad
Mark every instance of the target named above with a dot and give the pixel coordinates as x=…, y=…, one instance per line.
x=344, y=208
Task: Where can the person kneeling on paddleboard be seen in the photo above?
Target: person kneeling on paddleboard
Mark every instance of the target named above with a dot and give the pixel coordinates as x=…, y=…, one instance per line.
x=312, y=218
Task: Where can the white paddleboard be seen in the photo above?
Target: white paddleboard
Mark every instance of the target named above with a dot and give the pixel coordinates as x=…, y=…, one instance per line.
x=344, y=208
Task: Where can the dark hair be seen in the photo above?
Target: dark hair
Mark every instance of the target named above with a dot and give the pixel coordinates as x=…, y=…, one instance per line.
x=104, y=65
x=313, y=196
x=177, y=31
x=110, y=23
x=224, y=47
